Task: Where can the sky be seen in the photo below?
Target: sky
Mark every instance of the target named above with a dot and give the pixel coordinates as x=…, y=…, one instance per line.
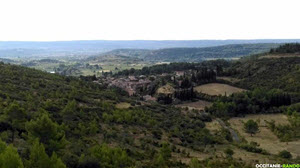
x=57, y=20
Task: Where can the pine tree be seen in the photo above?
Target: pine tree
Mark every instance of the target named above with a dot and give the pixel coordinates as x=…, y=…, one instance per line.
x=194, y=163
x=9, y=157
x=69, y=113
x=48, y=132
x=16, y=117
x=39, y=159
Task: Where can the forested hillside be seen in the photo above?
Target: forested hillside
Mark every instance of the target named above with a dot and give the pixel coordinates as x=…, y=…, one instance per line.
x=200, y=54
x=195, y=54
x=55, y=121
x=278, y=69
x=280, y=73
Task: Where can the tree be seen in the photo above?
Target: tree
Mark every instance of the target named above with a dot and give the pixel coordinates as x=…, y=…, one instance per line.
x=9, y=157
x=48, y=132
x=285, y=154
x=229, y=152
x=88, y=162
x=110, y=157
x=251, y=127
x=165, y=151
x=160, y=162
x=93, y=127
x=186, y=83
x=194, y=163
x=69, y=113
x=16, y=117
x=38, y=158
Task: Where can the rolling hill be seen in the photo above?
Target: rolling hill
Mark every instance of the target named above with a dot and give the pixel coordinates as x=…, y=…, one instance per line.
x=194, y=54
x=200, y=54
x=50, y=49
x=271, y=70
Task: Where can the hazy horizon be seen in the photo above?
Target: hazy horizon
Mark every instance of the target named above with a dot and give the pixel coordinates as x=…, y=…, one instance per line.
x=149, y=40
x=56, y=20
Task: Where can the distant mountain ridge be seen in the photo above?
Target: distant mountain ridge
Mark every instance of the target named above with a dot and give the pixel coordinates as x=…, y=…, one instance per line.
x=194, y=54
x=107, y=45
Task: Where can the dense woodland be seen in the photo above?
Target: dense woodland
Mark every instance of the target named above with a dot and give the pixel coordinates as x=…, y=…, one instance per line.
x=172, y=67
x=287, y=48
x=250, y=102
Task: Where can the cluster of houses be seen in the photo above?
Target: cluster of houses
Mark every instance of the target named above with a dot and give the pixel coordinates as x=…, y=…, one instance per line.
x=134, y=84
x=130, y=84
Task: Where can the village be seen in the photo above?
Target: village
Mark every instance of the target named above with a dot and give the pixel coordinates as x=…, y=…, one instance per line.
x=149, y=88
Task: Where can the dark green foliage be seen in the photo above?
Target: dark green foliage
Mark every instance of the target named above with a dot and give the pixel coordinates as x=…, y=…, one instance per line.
x=250, y=102
x=253, y=148
x=38, y=158
x=280, y=73
x=194, y=163
x=15, y=117
x=251, y=127
x=162, y=159
x=185, y=94
x=159, y=69
x=9, y=157
x=201, y=54
x=229, y=152
x=287, y=48
x=164, y=99
x=165, y=151
x=110, y=157
x=285, y=154
x=287, y=132
x=48, y=132
x=224, y=163
x=202, y=69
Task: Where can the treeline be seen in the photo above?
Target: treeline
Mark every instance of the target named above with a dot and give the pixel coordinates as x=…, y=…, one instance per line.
x=172, y=67
x=203, y=76
x=185, y=94
x=202, y=54
x=159, y=69
x=287, y=48
x=250, y=102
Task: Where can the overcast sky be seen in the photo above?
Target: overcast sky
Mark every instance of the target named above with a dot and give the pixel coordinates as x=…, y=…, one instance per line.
x=54, y=20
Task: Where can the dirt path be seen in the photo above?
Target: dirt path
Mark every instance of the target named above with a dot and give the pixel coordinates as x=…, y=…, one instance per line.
x=234, y=135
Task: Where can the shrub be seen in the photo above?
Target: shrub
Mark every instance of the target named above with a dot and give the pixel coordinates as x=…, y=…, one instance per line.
x=285, y=154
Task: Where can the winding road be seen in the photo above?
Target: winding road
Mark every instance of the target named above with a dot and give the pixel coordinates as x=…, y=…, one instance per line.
x=234, y=135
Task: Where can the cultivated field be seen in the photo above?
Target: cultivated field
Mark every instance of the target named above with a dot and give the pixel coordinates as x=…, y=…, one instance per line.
x=213, y=126
x=198, y=105
x=280, y=55
x=166, y=89
x=217, y=89
x=265, y=138
x=123, y=105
